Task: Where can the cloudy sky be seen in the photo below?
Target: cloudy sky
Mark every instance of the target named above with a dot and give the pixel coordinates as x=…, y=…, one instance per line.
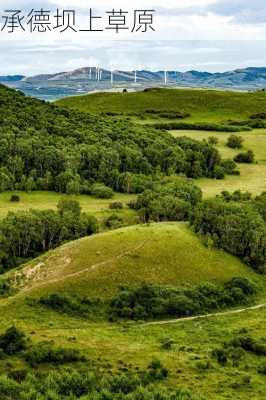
x=211, y=35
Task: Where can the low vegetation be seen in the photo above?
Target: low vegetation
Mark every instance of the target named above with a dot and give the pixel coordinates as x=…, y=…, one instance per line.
x=151, y=302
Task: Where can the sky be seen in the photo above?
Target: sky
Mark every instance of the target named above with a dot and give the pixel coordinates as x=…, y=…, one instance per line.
x=206, y=35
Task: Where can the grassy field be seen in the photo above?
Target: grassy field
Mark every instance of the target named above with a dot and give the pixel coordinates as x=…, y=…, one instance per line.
x=252, y=176
x=166, y=253
x=49, y=200
x=202, y=105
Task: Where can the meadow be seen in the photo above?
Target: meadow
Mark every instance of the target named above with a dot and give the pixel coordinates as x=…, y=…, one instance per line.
x=203, y=356
x=252, y=176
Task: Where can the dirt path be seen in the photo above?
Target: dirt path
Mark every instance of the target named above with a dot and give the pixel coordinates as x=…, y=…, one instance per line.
x=218, y=314
x=90, y=268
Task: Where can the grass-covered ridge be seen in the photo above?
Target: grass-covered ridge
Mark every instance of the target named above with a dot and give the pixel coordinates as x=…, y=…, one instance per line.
x=160, y=254
x=201, y=105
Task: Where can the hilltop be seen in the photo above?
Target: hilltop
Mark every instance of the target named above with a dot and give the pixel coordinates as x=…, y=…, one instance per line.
x=202, y=105
x=160, y=254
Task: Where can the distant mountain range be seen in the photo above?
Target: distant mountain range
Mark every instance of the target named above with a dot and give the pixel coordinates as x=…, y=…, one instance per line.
x=82, y=80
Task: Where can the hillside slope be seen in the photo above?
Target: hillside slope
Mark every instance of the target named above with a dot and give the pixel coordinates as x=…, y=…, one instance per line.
x=165, y=254
x=203, y=105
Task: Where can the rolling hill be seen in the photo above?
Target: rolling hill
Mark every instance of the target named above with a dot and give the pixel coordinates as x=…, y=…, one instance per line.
x=202, y=105
x=97, y=266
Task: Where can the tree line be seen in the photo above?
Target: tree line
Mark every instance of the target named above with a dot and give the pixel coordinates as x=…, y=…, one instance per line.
x=45, y=147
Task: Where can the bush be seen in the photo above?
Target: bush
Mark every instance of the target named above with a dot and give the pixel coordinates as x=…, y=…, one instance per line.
x=148, y=301
x=44, y=353
x=235, y=142
x=113, y=221
x=67, y=304
x=102, y=191
x=13, y=341
x=262, y=368
x=5, y=287
x=14, y=198
x=246, y=158
x=213, y=140
x=69, y=206
x=116, y=205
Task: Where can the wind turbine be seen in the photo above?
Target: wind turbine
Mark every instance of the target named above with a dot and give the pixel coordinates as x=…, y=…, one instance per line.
x=165, y=77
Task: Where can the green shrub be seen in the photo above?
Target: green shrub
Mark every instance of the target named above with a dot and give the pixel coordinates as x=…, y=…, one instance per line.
x=67, y=304
x=13, y=341
x=116, y=205
x=46, y=354
x=262, y=368
x=113, y=221
x=246, y=158
x=14, y=198
x=235, y=142
x=101, y=191
x=148, y=301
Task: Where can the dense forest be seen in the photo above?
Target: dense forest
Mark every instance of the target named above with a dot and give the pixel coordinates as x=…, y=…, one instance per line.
x=46, y=147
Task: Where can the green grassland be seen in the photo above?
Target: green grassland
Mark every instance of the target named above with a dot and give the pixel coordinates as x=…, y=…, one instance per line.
x=166, y=253
x=203, y=105
x=252, y=176
x=41, y=200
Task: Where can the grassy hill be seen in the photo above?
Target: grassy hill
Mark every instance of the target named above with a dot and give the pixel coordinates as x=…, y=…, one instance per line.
x=203, y=105
x=166, y=254
x=162, y=254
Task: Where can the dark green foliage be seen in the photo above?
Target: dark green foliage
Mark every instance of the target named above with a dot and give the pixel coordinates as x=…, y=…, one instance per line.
x=235, y=142
x=262, y=368
x=237, y=195
x=261, y=115
x=102, y=191
x=168, y=114
x=71, y=384
x=169, y=201
x=46, y=147
x=260, y=204
x=114, y=221
x=249, y=344
x=45, y=353
x=213, y=140
x=150, y=302
x=67, y=304
x=229, y=167
x=247, y=158
x=200, y=126
x=235, y=227
x=14, y=198
x=13, y=341
x=116, y=205
x=69, y=206
x=5, y=287
x=26, y=234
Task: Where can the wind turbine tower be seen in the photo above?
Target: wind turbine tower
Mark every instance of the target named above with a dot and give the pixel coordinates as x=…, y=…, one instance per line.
x=135, y=79
x=165, y=77
x=112, y=76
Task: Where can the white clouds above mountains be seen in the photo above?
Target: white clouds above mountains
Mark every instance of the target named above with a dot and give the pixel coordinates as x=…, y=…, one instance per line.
x=190, y=34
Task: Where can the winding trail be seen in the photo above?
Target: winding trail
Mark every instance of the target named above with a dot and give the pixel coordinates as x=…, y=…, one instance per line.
x=86, y=270
x=218, y=314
